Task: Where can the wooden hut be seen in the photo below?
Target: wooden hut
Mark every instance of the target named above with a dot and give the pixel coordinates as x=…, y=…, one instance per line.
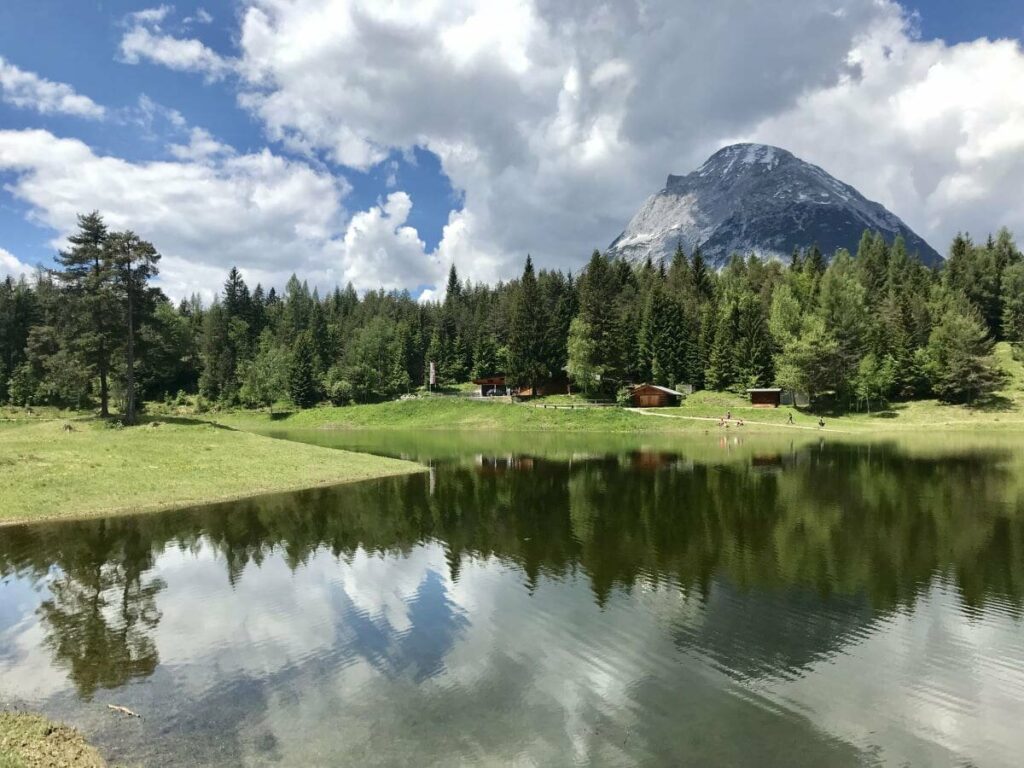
x=765, y=397
x=653, y=396
x=491, y=385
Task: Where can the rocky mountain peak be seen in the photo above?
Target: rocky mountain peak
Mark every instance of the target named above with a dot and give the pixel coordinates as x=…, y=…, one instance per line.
x=760, y=199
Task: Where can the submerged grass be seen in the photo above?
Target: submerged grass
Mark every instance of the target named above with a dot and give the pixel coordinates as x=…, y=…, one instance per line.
x=31, y=741
x=47, y=472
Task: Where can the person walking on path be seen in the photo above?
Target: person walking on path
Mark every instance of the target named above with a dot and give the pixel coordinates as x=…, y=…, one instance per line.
x=790, y=422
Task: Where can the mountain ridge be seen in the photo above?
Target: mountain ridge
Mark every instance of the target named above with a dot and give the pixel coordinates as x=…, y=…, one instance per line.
x=760, y=199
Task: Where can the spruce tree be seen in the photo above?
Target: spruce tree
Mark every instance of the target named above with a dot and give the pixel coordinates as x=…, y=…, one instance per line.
x=526, y=333
x=485, y=356
x=702, y=283
x=752, y=361
x=1013, y=303
x=721, y=372
x=88, y=318
x=961, y=365
x=302, y=383
x=133, y=262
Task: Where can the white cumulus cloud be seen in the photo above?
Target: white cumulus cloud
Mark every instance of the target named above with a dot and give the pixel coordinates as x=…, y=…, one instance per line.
x=260, y=211
x=146, y=40
x=930, y=130
x=556, y=120
x=212, y=208
x=27, y=90
x=378, y=247
x=9, y=265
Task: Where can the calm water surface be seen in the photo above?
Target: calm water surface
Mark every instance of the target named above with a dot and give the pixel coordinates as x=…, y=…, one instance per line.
x=548, y=601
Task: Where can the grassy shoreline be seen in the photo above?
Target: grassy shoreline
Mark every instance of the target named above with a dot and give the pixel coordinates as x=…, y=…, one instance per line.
x=701, y=412
x=47, y=473
x=32, y=741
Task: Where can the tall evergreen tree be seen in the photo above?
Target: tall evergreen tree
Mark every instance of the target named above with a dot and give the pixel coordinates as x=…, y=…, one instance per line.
x=961, y=365
x=1013, y=303
x=133, y=262
x=752, y=361
x=702, y=282
x=721, y=369
x=526, y=333
x=302, y=384
x=87, y=320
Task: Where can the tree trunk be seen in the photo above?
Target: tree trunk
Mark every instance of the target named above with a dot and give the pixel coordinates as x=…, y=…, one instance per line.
x=104, y=362
x=104, y=389
x=129, y=415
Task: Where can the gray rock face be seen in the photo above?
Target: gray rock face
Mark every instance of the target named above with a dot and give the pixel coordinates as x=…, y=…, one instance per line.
x=753, y=198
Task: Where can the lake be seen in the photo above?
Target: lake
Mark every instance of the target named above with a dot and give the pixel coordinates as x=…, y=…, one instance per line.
x=548, y=600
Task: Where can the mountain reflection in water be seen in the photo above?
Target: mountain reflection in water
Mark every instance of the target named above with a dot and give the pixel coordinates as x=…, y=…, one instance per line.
x=747, y=603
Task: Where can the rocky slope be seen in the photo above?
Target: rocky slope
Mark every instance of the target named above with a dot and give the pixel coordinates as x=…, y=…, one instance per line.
x=753, y=198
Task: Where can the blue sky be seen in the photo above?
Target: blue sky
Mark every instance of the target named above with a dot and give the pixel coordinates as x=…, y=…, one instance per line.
x=493, y=119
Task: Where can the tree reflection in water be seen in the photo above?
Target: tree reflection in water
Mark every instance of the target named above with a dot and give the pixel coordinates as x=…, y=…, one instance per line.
x=868, y=521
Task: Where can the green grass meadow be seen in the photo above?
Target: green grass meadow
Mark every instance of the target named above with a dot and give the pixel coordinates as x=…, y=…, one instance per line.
x=47, y=472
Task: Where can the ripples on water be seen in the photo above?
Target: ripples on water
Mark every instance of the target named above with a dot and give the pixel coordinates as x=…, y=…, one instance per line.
x=591, y=604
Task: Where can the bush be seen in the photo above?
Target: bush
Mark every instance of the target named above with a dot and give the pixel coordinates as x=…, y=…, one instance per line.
x=21, y=388
x=338, y=388
x=624, y=397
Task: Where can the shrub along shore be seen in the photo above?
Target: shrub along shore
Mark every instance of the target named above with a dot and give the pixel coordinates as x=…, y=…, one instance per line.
x=52, y=469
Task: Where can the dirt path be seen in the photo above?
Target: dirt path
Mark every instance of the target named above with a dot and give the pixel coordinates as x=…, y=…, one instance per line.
x=715, y=421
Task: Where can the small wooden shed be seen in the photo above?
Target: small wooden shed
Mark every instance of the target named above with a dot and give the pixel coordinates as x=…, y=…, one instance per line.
x=491, y=385
x=765, y=397
x=654, y=396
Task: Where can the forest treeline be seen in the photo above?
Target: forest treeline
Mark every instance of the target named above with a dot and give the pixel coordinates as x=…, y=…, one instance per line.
x=873, y=326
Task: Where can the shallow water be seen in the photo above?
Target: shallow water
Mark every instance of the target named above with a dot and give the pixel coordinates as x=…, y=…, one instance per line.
x=548, y=600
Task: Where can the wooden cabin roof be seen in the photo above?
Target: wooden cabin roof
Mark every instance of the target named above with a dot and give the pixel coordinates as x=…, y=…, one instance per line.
x=657, y=388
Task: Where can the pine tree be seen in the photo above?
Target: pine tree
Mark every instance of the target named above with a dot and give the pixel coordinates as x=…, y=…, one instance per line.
x=752, y=361
x=600, y=292
x=666, y=341
x=133, y=262
x=1013, y=303
x=88, y=317
x=702, y=283
x=961, y=365
x=644, y=344
x=721, y=372
x=526, y=333
x=217, y=380
x=19, y=312
x=302, y=384
x=485, y=356
x=237, y=302
x=680, y=275
x=815, y=260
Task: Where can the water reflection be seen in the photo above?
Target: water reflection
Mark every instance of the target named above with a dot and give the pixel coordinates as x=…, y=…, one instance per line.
x=594, y=603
